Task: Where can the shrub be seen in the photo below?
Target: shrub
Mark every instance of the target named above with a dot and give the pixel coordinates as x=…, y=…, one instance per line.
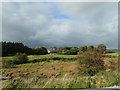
x=20, y=58
x=7, y=64
x=56, y=58
x=90, y=63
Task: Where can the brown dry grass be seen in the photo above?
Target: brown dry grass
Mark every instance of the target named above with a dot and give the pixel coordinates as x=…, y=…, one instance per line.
x=57, y=74
x=40, y=68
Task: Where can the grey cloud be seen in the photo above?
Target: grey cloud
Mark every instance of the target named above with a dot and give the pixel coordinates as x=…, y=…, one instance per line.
x=34, y=24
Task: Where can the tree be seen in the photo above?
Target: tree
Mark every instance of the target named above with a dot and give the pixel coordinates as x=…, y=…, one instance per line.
x=41, y=51
x=73, y=51
x=68, y=50
x=11, y=48
x=44, y=50
x=64, y=50
x=90, y=48
x=101, y=48
x=83, y=48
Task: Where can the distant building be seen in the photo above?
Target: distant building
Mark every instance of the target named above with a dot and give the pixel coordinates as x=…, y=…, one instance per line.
x=48, y=51
x=51, y=50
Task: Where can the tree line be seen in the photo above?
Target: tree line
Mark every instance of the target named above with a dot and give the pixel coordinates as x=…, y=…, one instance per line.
x=101, y=48
x=11, y=48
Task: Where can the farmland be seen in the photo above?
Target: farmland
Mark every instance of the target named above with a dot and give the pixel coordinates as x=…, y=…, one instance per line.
x=33, y=57
x=58, y=73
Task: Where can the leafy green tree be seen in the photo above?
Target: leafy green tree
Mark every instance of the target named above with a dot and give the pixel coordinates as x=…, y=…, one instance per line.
x=64, y=50
x=73, y=51
x=41, y=51
x=83, y=48
x=68, y=50
x=90, y=48
x=44, y=50
x=101, y=48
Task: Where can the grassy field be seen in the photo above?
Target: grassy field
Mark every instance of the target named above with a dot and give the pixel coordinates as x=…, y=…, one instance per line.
x=113, y=54
x=58, y=74
x=33, y=57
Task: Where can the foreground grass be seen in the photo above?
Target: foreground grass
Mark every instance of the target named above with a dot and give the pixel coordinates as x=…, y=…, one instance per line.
x=59, y=74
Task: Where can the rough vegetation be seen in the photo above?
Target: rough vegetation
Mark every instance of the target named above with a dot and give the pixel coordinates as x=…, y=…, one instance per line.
x=64, y=67
x=20, y=58
x=90, y=63
x=59, y=74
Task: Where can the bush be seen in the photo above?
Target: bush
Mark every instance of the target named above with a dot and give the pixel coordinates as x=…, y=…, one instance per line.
x=7, y=64
x=56, y=58
x=20, y=58
x=90, y=63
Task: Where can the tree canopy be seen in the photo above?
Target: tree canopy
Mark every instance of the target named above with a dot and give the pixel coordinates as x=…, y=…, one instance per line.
x=11, y=48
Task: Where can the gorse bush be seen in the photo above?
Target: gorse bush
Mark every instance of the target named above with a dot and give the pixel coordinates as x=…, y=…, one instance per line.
x=20, y=58
x=90, y=63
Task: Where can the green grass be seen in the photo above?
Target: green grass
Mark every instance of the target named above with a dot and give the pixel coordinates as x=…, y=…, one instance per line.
x=113, y=54
x=33, y=57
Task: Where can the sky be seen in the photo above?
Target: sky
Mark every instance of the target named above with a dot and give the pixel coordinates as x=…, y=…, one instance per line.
x=60, y=24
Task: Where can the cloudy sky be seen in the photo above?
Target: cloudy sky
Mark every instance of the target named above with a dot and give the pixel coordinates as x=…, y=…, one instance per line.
x=61, y=24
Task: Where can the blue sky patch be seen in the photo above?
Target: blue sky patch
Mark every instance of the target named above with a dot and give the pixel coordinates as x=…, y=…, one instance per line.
x=61, y=16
